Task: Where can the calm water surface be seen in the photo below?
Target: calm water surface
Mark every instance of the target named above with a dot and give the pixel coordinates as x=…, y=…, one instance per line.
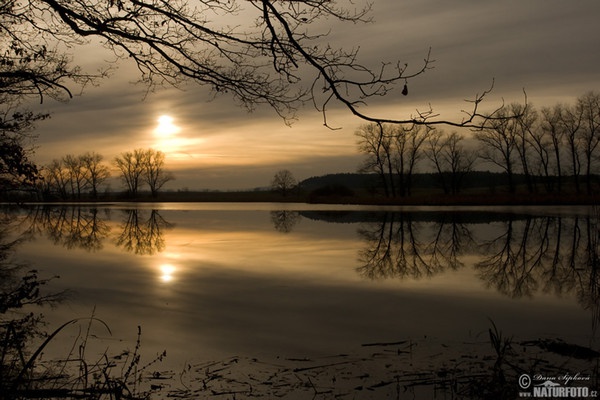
x=208, y=281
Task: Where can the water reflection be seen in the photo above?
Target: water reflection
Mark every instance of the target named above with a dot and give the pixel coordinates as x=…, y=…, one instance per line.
x=21, y=292
x=71, y=227
x=312, y=284
x=517, y=255
x=400, y=247
x=167, y=271
x=141, y=233
x=284, y=220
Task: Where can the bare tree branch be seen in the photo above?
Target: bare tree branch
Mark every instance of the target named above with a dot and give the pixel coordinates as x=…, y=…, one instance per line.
x=177, y=41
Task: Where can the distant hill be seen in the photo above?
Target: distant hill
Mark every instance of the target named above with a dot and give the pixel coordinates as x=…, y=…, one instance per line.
x=359, y=182
x=350, y=180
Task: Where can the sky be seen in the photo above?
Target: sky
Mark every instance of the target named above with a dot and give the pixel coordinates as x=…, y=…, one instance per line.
x=547, y=48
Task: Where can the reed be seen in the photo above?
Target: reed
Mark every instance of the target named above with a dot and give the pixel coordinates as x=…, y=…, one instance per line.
x=77, y=375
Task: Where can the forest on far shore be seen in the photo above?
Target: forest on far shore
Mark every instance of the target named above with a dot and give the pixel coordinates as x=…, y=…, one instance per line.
x=480, y=188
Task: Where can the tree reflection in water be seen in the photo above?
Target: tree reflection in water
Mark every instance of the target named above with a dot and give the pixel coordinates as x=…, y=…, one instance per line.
x=71, y=227
x=74, y=227
x=400, y=247
x=284, y=221
x=545, y=254
x=141, y=234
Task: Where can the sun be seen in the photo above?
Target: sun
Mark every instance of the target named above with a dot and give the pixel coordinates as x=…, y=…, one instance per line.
x=170, y=138
x=166, y=127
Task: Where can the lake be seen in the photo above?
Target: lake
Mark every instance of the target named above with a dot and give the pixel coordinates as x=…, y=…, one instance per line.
x=298, y=283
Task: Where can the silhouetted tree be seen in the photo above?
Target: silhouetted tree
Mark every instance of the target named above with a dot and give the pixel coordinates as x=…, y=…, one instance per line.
x=393, y=152
x=451, y=160
x=17, y=170
x=552, y=128
x=589, y=104
x=376, y=145
x=435, y=153
x=523, y=125
x=498, y=145
x=541, y=140
x=131, y=166
x=56, y=178
x=155, y=175
x=283, y=182
x=95, y=172
x=571, y=121
x=407, y=151
x=76, y=173
x=72, y=176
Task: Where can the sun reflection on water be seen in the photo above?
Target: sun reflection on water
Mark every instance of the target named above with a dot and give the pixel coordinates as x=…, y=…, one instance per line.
x=167, y=271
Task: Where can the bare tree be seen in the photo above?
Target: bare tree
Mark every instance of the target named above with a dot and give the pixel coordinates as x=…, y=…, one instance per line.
x=56, y=177
x=408, y=151
x=589, y=104
x=393, y=152
x=283, y=182
x=155, y=175
x=72, y=176
x=498, y=145
x=451, y=159
x=76, y=173
x=435, y=153
x=571, y=122
x=131, y=166
x=523, y=125
x=551, y=127
x=376, y=145
x=95, y=172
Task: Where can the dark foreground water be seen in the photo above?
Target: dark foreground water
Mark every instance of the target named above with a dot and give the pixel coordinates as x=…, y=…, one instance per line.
x=368, y=299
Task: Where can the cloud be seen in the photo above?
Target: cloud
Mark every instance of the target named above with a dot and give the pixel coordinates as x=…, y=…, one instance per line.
x=213, y=175
x=546, y=47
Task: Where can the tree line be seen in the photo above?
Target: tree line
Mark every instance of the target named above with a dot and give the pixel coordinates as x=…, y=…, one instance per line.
x=78, y=176
x=553, y=147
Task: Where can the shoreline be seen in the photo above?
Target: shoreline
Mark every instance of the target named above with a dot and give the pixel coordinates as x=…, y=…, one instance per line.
x=471, y=199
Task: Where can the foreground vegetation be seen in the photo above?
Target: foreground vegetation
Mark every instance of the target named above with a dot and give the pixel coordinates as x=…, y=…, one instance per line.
x=489, y=367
